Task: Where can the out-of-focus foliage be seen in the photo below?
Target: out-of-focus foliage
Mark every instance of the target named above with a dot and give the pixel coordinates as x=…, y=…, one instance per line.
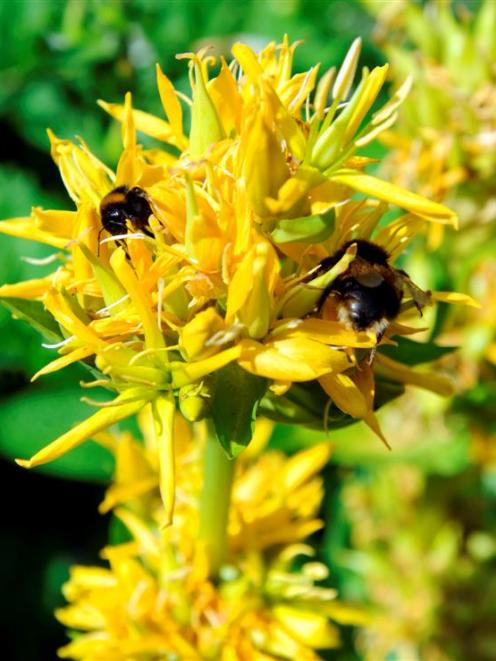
x=425, y=549
x=421, y=537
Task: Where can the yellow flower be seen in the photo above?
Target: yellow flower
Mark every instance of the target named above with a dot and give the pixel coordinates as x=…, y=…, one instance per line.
x=218, y=272
x=155, y=598
x=449, y=119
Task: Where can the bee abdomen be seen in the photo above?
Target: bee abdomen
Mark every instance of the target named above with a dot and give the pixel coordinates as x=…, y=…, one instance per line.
x=138, y=208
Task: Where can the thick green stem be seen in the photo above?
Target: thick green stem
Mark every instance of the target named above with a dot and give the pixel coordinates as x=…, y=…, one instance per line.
x=215, y=501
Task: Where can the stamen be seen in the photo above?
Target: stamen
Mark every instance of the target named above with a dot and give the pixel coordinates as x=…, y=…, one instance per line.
x=77, y=240
x=107, y=405
x=130, y=235
x=98, y=383
x=325, y=420
x=225, y=336
x=147, y=352
x=184, y=98
x=42, y=261
x=307, y=109
x=102, y=311
x=58, y=345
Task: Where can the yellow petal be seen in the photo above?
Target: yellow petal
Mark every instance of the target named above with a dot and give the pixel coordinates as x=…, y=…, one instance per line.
x=143, y=534
x=123, y=408
x=299, y=359
x=58, y=306
x=455, y=297
x=248, y=61
x=303, y=465
x=163, y=413
x=55, y=222
x=329, y=332
x=366, y=97
x=85, y=177
x=264, y=168
x=185, y=373
x=127, y=277
x=249, y=297
x=148, y=124
x=344, y=79
x=345, y=394
x=121, y=494
x=206, y=125
x=24, y=228
x=81, y=616
x=172, y=107
x=63, y=361
x=226, y=98
x=346, y=613
x=322, y=92
x=29, y=289
x=310, y=628
x=403, y=198
x=112, y=290
x=195, y=334
x=438, y=383
x=127, y=168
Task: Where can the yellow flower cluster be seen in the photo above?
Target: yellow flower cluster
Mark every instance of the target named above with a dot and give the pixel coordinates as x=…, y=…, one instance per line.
x=156, y=598
x=425, y=555
x=243, y=209
x=447, y=128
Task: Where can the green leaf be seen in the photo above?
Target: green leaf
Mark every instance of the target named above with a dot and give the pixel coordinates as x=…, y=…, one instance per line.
x=310, y=229
x=236, y=397
x=35, y=417
x=410, y=352
x=35, y=314
x=303, y=406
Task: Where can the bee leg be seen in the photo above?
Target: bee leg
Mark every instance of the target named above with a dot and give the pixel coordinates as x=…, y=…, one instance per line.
x=371, y=357
x=419, y=307
x=122, y=244
x=379, y=336
x=98, y=241
x=322, y=300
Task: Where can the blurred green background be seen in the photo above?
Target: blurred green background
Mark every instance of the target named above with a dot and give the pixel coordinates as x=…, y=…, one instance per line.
x=58, y=60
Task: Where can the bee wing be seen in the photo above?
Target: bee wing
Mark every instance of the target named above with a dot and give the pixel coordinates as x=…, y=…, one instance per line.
x=419, y=297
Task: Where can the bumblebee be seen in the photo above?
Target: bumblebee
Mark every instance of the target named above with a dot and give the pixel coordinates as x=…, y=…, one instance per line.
x=123, y=204
x=369, y=293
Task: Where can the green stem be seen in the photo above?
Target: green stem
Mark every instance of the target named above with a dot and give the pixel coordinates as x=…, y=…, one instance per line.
x=215, y=501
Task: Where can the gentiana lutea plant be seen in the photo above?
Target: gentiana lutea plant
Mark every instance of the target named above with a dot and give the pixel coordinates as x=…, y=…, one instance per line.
x=208, y=315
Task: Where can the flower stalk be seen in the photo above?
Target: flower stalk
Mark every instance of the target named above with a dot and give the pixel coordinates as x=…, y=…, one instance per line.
x=218, y=471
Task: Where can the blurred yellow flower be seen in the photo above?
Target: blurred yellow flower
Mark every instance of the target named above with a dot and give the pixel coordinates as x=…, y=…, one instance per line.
x=423, y=549
x=156, y=597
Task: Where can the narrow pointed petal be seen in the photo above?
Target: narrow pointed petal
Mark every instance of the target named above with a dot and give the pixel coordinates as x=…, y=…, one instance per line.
x=102, y=419
x=163, y=413
x=402, y=197
x=172, y=107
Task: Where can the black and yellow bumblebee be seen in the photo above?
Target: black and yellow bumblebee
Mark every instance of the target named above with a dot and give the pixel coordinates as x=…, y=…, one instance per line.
x=123, y=204
x=369, y=293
